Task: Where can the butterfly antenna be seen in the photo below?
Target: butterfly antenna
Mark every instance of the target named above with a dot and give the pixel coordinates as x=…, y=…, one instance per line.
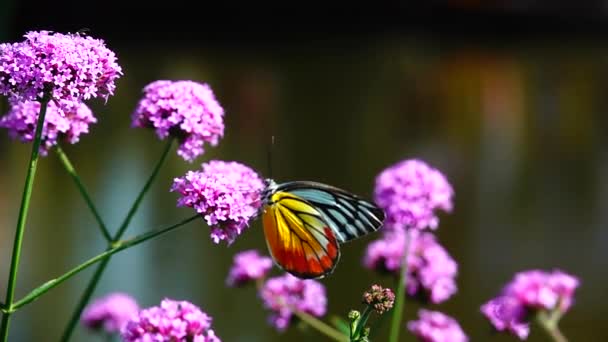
x=269, y=160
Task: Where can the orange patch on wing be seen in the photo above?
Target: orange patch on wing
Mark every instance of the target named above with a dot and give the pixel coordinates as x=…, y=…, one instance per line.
x=295, y=246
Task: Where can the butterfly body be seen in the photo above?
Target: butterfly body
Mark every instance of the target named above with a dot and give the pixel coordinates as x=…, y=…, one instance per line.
x=304, y=223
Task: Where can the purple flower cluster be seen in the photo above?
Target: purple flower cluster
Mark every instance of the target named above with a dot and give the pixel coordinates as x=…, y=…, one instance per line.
x=248, y=266
x=529, y=292
x=434, y=326
x=381, y=299
x=431, y=270
x=59, y=124
x=186, y=110
x=410, y=192
x=284, y=294
x=172, y=321
x=110, y=313
x=72, y=67
x=226, y=194
x=507, y=314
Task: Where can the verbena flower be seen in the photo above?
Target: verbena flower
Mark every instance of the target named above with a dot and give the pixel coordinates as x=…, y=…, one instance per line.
x=434, y=326
x=507, y=314
x=186, y=110
x=285, y=293
x=172, y=321
x=379, y=298
x=530, y=292
x=72, y=67
x=225, y=194
x=110, y=313
x=248, y=266
x=59, y=124
x=410, y=192
x=431, y=270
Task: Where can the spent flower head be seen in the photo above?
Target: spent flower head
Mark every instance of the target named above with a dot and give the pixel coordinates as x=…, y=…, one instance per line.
x=379, y=298
x=284, y=294
x=171, y=321
x=59, y=124
x=225, y=194
x=431, y=270
x=248, y=266
x=185, y=110
x=110, y=313
x=410, y=192
x=434, y=326
x=528, y=293
x=68, y=67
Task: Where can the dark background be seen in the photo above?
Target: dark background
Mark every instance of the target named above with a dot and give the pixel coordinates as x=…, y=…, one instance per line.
x=506, y=98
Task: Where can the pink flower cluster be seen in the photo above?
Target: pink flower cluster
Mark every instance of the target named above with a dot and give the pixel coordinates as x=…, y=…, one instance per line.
x=59, y=124
x=70, y=67
x=169, y=322
x=110, y=313
x=410, y=192
x=186, y=110
x=249, y=266
x=225, y=194
x=434, y=326
x=286, y=293
x=527, y=293
x=431, y=270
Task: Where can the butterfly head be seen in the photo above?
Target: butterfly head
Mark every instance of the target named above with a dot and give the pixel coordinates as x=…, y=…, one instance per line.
x=270, y=186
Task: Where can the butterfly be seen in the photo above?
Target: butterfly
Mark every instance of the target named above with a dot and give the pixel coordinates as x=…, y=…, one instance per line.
x=305, y=223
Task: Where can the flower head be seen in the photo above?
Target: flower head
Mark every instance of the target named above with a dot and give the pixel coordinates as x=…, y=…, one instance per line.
x=431, y=270
x=186, y=110
x=410, y=192
x=283, y=294
x=169, y=322
x=381, y=299
x=507, y=314
x=434, y=326
x=248, y=266
x=538, y=289
x=226, y=194
x=72, y=67
x=58, y=124
x=110, y=313
x=530, y=292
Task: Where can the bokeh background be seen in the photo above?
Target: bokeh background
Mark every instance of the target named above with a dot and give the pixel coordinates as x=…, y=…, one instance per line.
x=509, y=101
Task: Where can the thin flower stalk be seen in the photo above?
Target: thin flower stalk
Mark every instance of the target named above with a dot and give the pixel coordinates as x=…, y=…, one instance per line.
x=549, y=325
x=67, y=165
x=117, y=247
x=92, y=285
x=321, y=326
x=400, y=296
x=20, y=230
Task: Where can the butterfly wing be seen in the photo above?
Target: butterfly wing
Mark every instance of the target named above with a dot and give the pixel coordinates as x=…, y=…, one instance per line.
x=348, y=215
x=298, y=236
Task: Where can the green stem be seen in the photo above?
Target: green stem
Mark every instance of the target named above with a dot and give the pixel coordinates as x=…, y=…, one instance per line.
x=20, y=230
x=362, y=322
x=125, y=224
x=400, y=296
x=70, y=169
x=92, y=285
x=117, y=247
x=320, y=326
x=549, y=325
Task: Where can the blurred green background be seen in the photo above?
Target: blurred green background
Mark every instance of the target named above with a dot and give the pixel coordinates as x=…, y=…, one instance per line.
x=510, y=105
